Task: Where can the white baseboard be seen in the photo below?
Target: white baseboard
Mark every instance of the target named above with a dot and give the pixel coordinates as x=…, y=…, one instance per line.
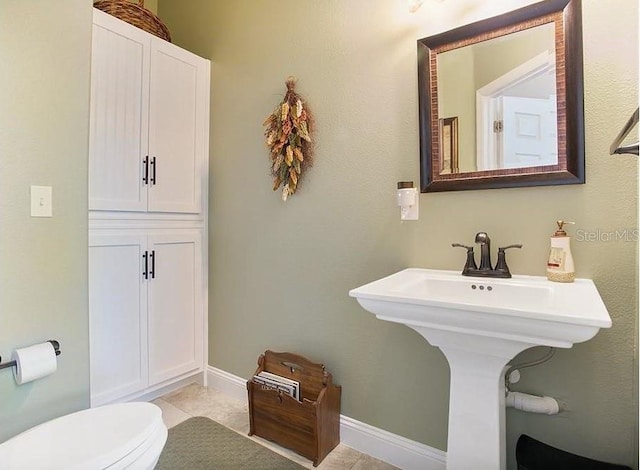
x=156, y=391
x=391, y=448
x=198, y=377
x=229, y=384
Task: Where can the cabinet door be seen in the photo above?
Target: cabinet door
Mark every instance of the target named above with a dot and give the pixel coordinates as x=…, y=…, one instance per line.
x=119, y=116
x=175, y=305
x=117, y=316
x=178, y=127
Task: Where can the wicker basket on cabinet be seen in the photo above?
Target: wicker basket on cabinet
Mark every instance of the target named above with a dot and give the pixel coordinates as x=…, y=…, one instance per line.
x=135, y=14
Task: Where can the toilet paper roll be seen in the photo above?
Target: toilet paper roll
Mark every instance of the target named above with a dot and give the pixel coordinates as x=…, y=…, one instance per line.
x=34, y=362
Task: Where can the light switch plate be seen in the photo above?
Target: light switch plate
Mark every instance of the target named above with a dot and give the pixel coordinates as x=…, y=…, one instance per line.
x=41, y=201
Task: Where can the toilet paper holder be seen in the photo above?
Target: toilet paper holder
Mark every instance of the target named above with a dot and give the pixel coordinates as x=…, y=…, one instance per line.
x=54, y=343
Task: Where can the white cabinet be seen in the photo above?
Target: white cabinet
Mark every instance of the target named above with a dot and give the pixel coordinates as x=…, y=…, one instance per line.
x=149, y=121
x=145, y=309
x=117, y=316
x=175, y=306
x=148, y=179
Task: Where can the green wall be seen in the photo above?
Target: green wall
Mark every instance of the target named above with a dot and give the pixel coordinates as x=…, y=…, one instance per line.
x=457, y=97
x=151, y=5
x=45, y=52
x=495, y=58
x=280, y=272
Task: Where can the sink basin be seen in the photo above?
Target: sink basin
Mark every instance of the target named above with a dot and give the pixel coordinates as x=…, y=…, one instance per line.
x=480, y=324
x=525, y=308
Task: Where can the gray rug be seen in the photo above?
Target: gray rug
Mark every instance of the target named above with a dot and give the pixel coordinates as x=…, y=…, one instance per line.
x=200, y=443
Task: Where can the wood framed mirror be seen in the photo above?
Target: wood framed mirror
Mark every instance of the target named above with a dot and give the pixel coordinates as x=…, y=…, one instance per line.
x=513, y=84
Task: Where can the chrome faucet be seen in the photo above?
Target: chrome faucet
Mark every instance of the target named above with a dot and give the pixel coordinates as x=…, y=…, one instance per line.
x=485, y=270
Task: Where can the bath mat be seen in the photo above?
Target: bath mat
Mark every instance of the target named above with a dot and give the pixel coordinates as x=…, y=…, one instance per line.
x=200, y=443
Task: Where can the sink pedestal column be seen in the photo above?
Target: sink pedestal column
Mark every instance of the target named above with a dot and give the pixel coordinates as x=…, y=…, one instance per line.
x=476, y=437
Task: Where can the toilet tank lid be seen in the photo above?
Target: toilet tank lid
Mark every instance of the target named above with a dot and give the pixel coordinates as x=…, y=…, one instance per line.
x=92, y=438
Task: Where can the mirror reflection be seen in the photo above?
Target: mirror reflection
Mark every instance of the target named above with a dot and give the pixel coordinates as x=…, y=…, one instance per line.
x=500, y=96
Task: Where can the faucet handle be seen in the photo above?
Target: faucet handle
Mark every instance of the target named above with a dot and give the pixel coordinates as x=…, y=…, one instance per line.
x=518, y=245
x=501, y=264
x=460, y=245
x=471, y=260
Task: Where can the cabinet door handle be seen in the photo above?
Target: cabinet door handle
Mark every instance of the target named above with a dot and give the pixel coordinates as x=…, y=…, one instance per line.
x=145, y=172
x=153, y=171
x=145, y=257
x=153, y=264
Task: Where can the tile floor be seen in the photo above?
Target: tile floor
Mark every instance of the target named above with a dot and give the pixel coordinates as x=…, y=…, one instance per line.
x=194, y=400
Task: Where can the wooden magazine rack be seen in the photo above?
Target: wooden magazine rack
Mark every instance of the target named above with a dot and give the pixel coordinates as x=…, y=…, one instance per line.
x=310, y=426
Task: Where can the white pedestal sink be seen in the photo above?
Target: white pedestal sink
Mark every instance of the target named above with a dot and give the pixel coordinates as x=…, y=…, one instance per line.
x=480, y=324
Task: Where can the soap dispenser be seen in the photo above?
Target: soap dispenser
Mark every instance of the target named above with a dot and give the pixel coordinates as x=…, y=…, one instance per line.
x=560, y=266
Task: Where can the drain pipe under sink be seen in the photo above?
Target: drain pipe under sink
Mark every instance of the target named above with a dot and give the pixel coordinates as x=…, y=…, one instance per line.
x=532, y=403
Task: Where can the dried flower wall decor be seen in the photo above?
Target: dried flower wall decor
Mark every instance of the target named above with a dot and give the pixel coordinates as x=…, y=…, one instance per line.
x=289, y=133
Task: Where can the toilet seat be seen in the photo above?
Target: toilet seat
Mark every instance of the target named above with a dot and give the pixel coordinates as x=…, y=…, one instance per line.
x=107, y=437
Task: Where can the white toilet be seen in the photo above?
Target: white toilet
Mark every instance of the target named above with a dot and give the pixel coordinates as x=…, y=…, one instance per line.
x=124, y=435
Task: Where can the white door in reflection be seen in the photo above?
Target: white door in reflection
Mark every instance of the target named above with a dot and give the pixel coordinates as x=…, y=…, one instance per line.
x=528, y=135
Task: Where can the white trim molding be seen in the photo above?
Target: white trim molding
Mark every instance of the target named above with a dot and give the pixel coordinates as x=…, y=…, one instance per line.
x=383, y=445
x=229, y=384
